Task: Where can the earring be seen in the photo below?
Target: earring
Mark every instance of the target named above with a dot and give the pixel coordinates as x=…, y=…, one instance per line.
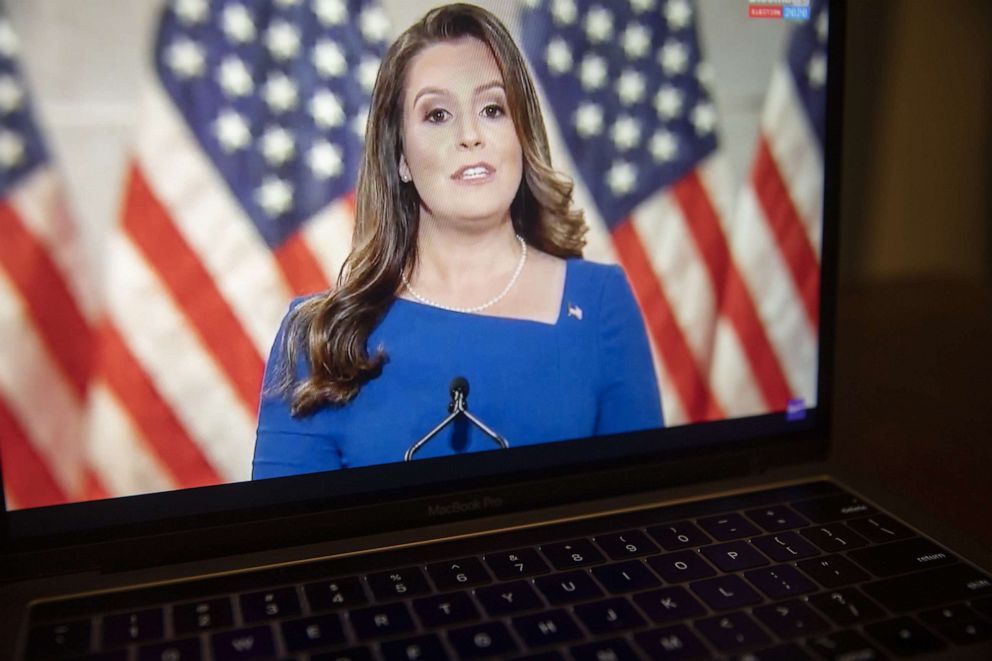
x=404, y=177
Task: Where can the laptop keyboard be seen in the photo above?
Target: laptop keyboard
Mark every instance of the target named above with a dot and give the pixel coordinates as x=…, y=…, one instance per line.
x=792, y=573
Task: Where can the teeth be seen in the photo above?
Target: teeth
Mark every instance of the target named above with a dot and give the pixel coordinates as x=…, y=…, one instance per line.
x=474, y=173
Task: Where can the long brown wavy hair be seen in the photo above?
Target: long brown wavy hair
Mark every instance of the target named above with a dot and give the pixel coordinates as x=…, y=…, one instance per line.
x=332, y=329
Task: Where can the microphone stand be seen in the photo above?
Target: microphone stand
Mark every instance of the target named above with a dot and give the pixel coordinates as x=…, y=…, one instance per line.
x=456, y=407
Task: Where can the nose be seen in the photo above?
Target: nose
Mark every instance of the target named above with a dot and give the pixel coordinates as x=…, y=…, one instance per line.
x=469, y=137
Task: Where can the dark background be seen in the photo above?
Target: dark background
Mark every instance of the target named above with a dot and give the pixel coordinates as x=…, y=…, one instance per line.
x=914, y=362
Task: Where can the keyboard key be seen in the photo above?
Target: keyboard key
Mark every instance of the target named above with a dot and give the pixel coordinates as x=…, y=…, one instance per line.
x=904, y=636
x=612, y=649
x=681, y=566
x=833, y=508
x=568, y=588
x=202, y=615
x=790, y=619
x=549, y=628
x=953, y=614
x=258, y=606
x=457, y=574
x=381, y=621
x=625, y=545
x=312, y=632
x=187, y=649
x=62, y=639
x=677, y=536
x=411, y=649
x=339, y=594
x=880, y=528
x=734, y=556
x=507, y=598
x=780, y=581
x=669, y=604
x=844, y=645
x=786, y=652
x=733, y=631
x=966, y=633
x=630, y=576
x=832, y=571
x=445, y=610
x=847, y=606
x=242, y=644
x=785, y=546
x=901, y=557
x=349, y=654
x=521, y=563
x=725, y=592
x=609, y=615
x=137, y=626
x=728, y=526
x=929, y=588
x=834, y=537
x=573, y=554
x=482, y=641
x=408, y=582
x=777, y=518
x=675, y=642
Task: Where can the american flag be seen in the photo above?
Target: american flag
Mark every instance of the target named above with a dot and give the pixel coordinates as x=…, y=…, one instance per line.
x=636, y=122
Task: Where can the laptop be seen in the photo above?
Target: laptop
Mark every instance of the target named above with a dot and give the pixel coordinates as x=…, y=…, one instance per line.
x=722, y=534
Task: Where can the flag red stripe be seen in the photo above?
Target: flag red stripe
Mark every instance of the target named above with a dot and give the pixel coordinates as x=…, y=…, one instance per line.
x=194, y=291
x=164, y=433
x=25, y=473
x=50, y=305
x=733, y=299
x=784, y=221
x=697, y=400
x=300, y=267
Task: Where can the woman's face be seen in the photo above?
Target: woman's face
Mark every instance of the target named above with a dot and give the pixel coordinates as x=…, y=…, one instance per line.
x=460, y=146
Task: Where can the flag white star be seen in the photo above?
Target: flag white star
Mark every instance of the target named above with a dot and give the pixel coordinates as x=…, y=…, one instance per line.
x=599, y=25
x=367, y=71
x=678, y=13
x=234, y=76
x=329, y=59
x=374, y=24
x=280, y=93
x=589, y=120
x=359, y=121
x=282, y=39
x=186, y=58
x=668, y=102
x=11, y=149
x=275, y=196
x=664, y=146
x=325, y=160
x=630, y=87
x=822, y=26
x=641, y=6
x=326, y=109
x=705, y=75
x=636, y=41
x=8, y=39
x=232, y=131
x=191, y=12
x=703, y=117
x=559, y=56
x=330, y=12
x=621, y=177
x=673, y=57
x=237, y=24
x=816, y=70
x=278, y=146
x=564, y=11
x=11, y=94
x=626, y=133
x=532, y=4
x=288, y=3
x=593, y=72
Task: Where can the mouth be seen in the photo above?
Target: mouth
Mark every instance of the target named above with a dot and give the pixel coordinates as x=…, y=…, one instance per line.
x=474, y=172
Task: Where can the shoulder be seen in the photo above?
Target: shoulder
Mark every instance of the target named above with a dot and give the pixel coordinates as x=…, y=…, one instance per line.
x=594, y=279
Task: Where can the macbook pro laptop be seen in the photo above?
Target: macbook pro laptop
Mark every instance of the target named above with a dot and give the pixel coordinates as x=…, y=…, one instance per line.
x=722, y=534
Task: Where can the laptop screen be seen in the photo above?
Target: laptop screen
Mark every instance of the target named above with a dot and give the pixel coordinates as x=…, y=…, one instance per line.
x=329, y=249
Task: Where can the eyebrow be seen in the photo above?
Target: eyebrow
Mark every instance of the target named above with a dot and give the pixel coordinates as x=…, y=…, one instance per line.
x=478, y=90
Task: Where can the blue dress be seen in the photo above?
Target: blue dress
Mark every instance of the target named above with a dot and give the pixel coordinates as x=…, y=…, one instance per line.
x=589, y=373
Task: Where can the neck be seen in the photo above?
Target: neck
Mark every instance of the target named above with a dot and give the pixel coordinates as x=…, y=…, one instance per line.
x=464, y=262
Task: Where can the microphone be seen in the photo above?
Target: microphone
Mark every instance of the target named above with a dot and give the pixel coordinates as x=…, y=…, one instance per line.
x=458, y=391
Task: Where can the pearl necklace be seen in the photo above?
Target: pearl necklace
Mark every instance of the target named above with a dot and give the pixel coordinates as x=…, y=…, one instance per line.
x=478, y=308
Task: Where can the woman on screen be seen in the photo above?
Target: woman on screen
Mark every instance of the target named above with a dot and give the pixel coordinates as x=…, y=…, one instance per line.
x=466, y=262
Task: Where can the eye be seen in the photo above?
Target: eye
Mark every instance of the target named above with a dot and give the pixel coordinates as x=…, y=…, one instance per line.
x=437, y=115
x=493, y=110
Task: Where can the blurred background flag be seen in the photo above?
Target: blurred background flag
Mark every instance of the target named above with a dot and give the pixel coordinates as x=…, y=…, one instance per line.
x=238, y=196
x=46, y=307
